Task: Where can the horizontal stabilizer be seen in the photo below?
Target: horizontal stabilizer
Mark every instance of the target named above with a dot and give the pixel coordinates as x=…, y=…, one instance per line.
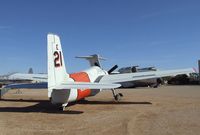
x=85, y=85
x=91, y=57
x=94, y=60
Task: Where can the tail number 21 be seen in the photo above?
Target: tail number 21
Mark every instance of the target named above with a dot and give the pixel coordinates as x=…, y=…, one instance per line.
x=58, y=59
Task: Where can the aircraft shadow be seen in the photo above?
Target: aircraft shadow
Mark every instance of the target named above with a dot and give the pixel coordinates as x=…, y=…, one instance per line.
x=44, y=106
x=111, y=102
x=23, y=100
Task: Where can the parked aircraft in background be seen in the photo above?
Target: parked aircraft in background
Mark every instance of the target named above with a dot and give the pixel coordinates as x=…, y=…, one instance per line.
x=134, y=69
x=28, y=77
x=23, y=80
x=64, y=88
x=153, y=82
x=24, y=77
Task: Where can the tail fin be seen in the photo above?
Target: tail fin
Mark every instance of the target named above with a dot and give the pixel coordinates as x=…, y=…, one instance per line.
x=56, y=65
x=30, y=71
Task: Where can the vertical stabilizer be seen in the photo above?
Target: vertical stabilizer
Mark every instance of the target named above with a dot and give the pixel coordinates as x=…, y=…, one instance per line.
x=56, y=65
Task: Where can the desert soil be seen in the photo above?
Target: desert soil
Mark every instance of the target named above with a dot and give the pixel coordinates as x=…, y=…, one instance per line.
x=167, y=110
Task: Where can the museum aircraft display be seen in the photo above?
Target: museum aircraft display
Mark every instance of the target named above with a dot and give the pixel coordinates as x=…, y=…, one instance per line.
x=22, y=80
x=154, y=82
x=64, y=88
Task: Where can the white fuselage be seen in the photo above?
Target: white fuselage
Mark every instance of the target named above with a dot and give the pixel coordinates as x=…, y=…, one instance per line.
x=92, y=74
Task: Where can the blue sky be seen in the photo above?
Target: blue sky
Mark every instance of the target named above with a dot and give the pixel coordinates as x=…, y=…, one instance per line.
x=161, y=33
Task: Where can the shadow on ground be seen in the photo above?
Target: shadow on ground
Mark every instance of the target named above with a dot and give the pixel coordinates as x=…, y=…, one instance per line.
x=110, y=102
x=45, y=106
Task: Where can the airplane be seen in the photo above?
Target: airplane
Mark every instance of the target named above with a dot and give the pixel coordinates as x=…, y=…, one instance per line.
x=64, y=88
x=23, y=80
x=154, y=82
x=23, y=77
x=27, y=77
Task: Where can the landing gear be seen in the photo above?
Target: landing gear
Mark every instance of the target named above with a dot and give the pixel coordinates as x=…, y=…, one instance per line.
x=59, y=106
x=117, y=96
x=63, y=107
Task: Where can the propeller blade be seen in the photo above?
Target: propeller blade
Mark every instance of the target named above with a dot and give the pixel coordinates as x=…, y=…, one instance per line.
x=112, y=69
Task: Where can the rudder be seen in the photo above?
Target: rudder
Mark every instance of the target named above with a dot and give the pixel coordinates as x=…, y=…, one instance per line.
x=56, y=66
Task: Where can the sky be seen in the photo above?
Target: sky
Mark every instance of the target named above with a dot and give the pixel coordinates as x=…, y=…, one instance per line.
x=161, y=33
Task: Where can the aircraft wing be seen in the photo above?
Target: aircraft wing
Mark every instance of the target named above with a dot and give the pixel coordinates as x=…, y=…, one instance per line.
x=42, y=85
x=85, y=85
x=117, y=78
x=31, y=77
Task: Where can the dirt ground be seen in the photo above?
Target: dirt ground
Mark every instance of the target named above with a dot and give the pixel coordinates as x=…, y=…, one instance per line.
x=168, y=110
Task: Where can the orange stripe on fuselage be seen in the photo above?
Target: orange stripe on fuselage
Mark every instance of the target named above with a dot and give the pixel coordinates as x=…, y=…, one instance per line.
x=81, y=77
